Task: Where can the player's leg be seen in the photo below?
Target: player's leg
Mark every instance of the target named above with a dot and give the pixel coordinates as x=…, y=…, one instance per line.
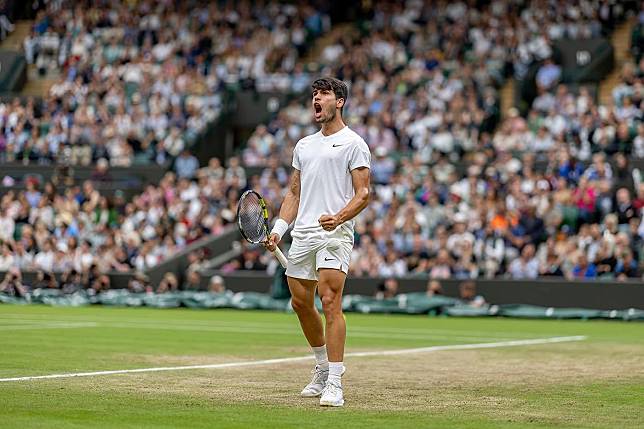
x=302, y=281
x=303, y=303
x=330, y=288
x=332, y=263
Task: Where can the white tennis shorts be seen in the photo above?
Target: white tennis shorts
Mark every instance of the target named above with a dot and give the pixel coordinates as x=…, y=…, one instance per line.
x=311, y=251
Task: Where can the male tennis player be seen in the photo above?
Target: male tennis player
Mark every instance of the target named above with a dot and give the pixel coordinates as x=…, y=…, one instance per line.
x=329, y=187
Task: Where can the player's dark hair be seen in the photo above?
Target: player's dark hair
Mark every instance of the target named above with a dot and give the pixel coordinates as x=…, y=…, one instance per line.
x=338, y=87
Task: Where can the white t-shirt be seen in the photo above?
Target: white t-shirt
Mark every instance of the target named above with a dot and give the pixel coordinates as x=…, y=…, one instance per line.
x=325, y=164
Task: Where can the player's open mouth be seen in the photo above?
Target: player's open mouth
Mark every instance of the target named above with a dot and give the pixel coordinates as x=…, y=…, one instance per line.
x=318, y=108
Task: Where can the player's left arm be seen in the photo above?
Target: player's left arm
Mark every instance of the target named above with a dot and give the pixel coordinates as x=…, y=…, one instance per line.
x=361, y=179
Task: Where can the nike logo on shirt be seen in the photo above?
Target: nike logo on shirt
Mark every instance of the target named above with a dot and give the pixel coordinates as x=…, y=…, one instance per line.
x=337, y=145
x=329, y=259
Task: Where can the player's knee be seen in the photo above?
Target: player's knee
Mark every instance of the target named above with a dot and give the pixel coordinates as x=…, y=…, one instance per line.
x=331, y=304
x=300, y=305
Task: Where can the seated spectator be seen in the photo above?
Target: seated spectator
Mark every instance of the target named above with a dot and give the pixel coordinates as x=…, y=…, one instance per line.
x=193, y=281
x=551, y=267
x=626, y=267
x=583, y=269
x=625, y=210
x=250, y=260
x=216, y=285
x=441, y=267
x=526, y=266
x=388, y=289
x=168, y=283
x=467, y=294
x=196, y=261
x=7, y=259
x=45, y=280
x=434, y=287
x=71, y=282
x=95, y=281
x=139, y=283
x=12, y=284
x=186, y=165
x=101, y=172
x=548, y=75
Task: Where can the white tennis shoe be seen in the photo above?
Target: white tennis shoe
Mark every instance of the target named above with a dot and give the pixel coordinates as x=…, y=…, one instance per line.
x=332, y=395
x=315, y=387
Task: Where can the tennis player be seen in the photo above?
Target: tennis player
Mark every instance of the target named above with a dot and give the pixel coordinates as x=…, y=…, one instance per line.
x=329, y=187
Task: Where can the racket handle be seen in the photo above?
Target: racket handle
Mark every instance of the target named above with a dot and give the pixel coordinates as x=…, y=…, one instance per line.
x=280, y=257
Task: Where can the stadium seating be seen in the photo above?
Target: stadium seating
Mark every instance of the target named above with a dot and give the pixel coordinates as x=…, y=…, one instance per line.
x=538, y=196
x=459, y=192
x=131, y=91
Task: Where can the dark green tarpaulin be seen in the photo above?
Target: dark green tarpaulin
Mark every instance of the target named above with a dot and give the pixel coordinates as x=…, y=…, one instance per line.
x=410, y=303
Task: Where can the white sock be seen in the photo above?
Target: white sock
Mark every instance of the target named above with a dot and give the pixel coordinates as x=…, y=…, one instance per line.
x=320, y=357
x=335, y=372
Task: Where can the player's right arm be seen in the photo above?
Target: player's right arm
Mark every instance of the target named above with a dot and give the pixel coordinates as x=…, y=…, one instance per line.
x=289, y=208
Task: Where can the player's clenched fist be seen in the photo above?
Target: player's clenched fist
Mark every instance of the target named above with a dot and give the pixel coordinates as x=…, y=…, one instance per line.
x=271, y=243
x=329, y=222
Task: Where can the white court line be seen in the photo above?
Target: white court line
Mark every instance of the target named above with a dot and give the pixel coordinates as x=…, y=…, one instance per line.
x=308, y=358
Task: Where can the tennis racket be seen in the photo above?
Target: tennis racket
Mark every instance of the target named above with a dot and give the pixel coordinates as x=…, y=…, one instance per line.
x=252, y=219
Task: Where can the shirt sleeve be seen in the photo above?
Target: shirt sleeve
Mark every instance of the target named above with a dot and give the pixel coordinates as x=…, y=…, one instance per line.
x=360, y=156
x=296, y=159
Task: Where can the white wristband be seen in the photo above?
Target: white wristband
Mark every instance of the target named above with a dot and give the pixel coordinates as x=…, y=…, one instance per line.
x=280, y=227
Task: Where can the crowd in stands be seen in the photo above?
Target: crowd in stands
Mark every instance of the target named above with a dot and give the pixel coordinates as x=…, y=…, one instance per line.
x=139, y=82
x=550, y=194
x=84, y=234
x=553, y=193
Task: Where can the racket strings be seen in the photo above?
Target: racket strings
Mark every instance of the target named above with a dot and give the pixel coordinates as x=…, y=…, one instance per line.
x=251, y=219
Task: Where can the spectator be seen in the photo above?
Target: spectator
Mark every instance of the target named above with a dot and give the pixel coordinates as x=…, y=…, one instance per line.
x=441, y=268
x=526, y=266
x=388, y=289
x=12, y=284
x=216, y=285
x=626, y=267
x=168, y=283
x=71, y=282
x=434, y=287
x=45, y=281
x=139, y=283
x=583, y=269
x=186, y=165
x=467, y=294
x=624, y=207
x=101, y=172
x=548, y=75
x=193, y=281
x=6, y=258
x=551, y=267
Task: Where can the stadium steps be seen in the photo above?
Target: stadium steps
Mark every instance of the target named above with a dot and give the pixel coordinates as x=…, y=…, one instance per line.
x=621, y=41
x=507, y=96
x=313, y=55
x=13, y=42
x=37, y=85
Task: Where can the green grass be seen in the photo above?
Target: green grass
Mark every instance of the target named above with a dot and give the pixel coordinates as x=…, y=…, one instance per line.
x=595, y=383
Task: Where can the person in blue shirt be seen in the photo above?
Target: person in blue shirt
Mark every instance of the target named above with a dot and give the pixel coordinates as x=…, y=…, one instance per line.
x=583, y=269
